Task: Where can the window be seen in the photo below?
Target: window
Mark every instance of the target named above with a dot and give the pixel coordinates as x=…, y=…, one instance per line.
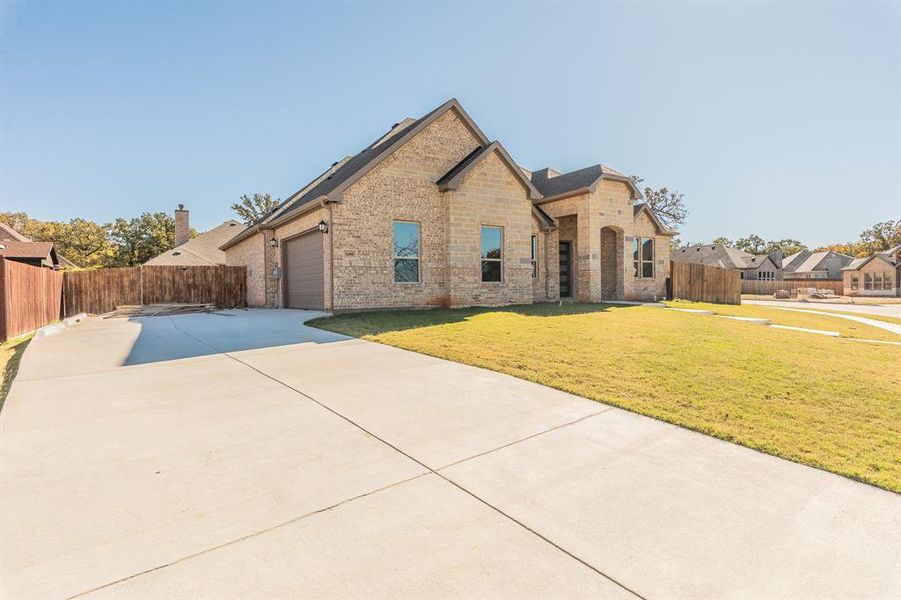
x=492, y=253
x=887, y=281
x=406, y=252
x=868, y=281
x=534, y=256
x=877, y=281
x=855, y=282
x=765, y=276
x=643, y=257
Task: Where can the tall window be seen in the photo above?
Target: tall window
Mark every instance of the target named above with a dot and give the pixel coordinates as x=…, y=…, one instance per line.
x=406, y=252
x=492, y=253
x=855, y=282
x=643, y=257
x=868, y=281
x=765, y=276
x=534, y=256
x=877, y=283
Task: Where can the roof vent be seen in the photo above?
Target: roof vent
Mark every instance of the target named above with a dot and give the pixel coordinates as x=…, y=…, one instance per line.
x=232, y=224
x=334, y=163
x=176, y=253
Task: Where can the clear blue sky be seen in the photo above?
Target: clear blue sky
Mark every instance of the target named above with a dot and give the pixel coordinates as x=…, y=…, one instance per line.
x=781, y=119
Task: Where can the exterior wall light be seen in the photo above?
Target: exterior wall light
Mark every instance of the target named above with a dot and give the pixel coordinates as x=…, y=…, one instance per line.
x=323, y=227
x=273, y=242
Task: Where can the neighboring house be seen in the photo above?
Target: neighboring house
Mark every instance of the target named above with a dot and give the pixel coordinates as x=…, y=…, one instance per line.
x=8, y=234
x=199, y=250
x=435, y=214
x=878, y=275
x=815, y=265
x=767, y=267
x=38, y=254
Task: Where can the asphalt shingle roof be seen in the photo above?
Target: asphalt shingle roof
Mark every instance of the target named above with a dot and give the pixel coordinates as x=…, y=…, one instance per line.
x=200, y=250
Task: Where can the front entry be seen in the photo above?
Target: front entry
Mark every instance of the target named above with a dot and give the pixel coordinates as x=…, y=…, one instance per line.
x=566, y=290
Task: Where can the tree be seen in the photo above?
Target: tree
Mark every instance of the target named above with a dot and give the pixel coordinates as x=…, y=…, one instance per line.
x=253, y=208
x=82, y=241
x=139, y=239
x=722, y=240
x=668, y=206
x=786, y=246
x=753, y=244
x=881, y=236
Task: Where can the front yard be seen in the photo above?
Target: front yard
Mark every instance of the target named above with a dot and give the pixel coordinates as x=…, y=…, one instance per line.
x=827, y=402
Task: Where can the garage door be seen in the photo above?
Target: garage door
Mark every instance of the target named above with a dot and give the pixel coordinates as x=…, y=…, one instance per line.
x=303, y=271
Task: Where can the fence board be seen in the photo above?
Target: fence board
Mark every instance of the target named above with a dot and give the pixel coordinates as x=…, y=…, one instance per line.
x=103, y=290
x=704, y=283
x=766, y=288
x=30, y=297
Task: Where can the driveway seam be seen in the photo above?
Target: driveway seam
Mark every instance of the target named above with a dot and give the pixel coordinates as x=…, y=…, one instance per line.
x=430, y=469
x=249, y=535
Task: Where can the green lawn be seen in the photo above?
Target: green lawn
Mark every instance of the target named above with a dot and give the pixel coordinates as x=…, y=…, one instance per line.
x=796, y=319
x=10, y=354
x=827, y=402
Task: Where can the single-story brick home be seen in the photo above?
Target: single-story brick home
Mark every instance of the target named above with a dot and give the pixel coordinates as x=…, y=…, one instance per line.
x=434, y=213
x=878, y=275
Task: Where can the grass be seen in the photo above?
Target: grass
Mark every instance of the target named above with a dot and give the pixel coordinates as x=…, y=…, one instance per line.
x=826, y=402
x=845, y=327
x=887, y=319
x=10, y=354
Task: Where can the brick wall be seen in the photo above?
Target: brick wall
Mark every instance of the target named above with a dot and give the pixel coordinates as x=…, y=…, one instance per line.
x=250, y=253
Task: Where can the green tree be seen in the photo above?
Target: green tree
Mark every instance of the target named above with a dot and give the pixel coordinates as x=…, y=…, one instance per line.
x=251, y=209
x=668, y=206
x=139, y=239
x=723, y=241
x=787, y=246
x=753, y=244
x=881, y=236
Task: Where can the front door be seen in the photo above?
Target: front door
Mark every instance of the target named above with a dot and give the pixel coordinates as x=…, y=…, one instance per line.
x=566, y=290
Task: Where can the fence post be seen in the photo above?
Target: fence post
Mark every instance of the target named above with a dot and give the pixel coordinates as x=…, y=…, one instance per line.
x=141, y=277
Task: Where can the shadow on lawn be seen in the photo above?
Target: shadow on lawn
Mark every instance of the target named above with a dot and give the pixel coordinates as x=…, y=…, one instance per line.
x=384, y=321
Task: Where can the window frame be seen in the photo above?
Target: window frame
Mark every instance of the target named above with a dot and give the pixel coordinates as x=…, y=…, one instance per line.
x=418, y=258
x=868, y=281
x=855, y=282
x=534, y=256
x=639, y=261
x=499, y=260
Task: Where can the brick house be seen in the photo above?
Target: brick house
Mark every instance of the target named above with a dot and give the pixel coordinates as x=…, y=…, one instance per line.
x=877, y=275
x=435, y=214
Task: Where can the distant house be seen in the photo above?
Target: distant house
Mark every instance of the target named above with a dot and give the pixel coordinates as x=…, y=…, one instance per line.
x=38, y=254
x=9, y=234
x=200, y=250
x=767, y=267
x=815, y=265
x=877, y=275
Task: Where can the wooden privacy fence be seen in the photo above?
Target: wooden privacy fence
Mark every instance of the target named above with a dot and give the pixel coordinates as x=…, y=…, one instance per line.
x=703, y=283
x=30, y=297
x=767, y=288
x=103, y=290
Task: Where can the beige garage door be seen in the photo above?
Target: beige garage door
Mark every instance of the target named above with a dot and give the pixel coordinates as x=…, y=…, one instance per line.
x=303, y=271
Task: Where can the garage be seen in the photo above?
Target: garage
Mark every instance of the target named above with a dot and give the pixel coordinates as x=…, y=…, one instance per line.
x=303, y=270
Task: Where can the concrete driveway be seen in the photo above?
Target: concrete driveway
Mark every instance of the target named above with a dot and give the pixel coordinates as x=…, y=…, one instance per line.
x=245, y=455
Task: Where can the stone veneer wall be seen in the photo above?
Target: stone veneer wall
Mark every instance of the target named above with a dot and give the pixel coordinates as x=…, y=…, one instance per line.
x=402, y=187
x=489, y=195
x=874, y=266
x=250, y=253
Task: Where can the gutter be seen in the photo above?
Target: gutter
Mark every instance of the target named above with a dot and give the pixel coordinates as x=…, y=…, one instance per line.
x=563, y=195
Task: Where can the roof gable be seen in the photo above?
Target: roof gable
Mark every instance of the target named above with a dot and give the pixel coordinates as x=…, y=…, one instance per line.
x=643, y=209
x=453, y=178
x=202, y=249
x=584, y=180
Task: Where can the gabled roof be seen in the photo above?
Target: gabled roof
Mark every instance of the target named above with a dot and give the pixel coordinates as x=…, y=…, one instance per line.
x=717, y=255
x=14, y=249
x=887, y=257
x=8, y=233
x=585, y=180
x=811, y=263
x=788, y=260
x=642, y=207
x=331, y=187
x=200, y=250
x=451, y=180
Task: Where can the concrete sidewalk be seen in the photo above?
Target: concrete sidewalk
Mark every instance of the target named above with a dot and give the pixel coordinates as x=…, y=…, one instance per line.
x=249, y=455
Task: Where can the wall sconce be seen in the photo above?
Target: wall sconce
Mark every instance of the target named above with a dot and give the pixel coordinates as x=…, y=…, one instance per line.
x=323, y=227
x=273, y=242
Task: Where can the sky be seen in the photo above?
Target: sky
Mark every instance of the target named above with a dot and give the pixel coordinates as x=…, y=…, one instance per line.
x=776, y=119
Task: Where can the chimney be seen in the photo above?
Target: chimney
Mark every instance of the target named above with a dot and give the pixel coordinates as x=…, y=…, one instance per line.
x=544, y=174
x=182, y=228
x=776, y=257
